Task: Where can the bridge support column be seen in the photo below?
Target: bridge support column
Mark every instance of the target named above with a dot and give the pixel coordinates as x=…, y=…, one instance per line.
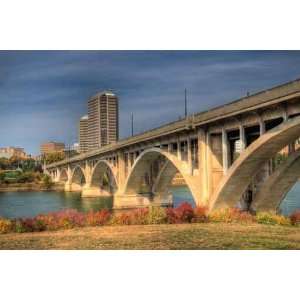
x=189, y=155
x=141, y=200
x=121, y=170
x=225, y=151
x=93, y=191
x=68, y=184
x=203, y=164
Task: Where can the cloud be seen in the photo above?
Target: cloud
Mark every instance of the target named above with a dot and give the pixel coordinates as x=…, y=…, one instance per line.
x=43, y=93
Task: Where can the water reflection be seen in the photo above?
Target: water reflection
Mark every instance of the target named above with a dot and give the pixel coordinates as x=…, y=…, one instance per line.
x=29, y=204
x=182, y=194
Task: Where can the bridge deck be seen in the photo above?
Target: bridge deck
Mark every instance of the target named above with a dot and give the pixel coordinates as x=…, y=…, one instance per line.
x=259, y=100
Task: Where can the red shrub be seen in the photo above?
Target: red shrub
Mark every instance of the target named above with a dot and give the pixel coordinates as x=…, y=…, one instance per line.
x=172, y=217
x=100, y=217
x=295, y=217
x=69, y=218
x=185, y=212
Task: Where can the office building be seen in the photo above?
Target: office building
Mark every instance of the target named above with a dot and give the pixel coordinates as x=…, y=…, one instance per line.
x=52, y=147
x=103, y=120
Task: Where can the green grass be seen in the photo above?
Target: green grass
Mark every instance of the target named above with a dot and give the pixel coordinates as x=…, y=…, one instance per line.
x=181, y=236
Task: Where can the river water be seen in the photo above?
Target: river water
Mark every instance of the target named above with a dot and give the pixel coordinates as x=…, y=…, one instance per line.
x=30, y=204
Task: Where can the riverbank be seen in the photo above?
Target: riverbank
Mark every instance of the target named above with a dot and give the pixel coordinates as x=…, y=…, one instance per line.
x=29, y=187
x=160, y=237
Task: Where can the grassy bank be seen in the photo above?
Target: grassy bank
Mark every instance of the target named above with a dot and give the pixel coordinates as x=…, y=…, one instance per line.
x=165, y=236
x=26, y=187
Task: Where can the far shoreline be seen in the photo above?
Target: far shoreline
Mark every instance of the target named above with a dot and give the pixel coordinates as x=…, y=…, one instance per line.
x=30, y=187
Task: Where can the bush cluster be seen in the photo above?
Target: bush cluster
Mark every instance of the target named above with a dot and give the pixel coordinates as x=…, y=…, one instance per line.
x=158, y=215
x=231, y=215
x=184, y=213
x=11, y=177
x=272, y=219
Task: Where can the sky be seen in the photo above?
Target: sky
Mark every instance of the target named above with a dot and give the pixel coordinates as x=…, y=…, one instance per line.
x=43, y=94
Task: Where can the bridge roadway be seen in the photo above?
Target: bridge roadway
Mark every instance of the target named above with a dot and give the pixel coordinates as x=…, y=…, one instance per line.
x=225, y=155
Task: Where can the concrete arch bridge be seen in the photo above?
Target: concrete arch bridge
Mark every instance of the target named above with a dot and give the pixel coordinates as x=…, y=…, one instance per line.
x=233, y=155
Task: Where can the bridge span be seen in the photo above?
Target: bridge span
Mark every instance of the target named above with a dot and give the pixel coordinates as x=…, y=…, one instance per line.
x=226, y=156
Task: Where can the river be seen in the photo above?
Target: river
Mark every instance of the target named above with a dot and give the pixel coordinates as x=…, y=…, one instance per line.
x=30, y=204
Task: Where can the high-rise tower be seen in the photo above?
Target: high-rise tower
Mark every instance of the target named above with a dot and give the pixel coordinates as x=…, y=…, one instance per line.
x=83, y=134
x=103, y=120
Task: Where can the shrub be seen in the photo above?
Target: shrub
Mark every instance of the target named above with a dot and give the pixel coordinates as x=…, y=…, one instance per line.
x=140, y=216
x=157, y=215
x=171, y=215
x=230, y=215
x=6, y=226
x=2, y=177
x=26, y=177
x=200, y=214
x=272, y=219
x=295, y=217
x=185, y=212
x=19, y=226
x=47, y=221
x=100, y=217
x=69, y=218
x=47, y=181
x=121, y=219
x=65, y=219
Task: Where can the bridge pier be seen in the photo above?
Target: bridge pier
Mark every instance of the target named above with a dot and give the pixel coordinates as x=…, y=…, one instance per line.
x=92, y=191
x=140, y=200
x=72, y=187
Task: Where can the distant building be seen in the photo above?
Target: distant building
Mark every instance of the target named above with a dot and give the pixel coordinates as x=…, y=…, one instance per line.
x=75, y=147
x=8, y=152
x=83, y=134
x=103, y=120
x=52, y=147
x=72, y=150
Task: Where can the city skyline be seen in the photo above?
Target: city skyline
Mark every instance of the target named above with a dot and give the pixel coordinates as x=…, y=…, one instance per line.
x=43, y=94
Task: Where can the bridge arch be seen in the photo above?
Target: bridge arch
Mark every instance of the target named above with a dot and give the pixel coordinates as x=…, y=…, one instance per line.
x=240, y=174
x=78, y=178
x=135, y=183
x=63, y=175
x=278, y=185
x=102, y=172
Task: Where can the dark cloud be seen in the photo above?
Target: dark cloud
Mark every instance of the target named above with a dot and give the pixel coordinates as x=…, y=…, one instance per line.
x=44, y=93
